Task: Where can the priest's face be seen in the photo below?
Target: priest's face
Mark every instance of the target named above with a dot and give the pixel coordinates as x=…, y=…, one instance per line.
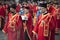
x=43, y=10
x=26, y=10
x=48, y=5
x=12, y=10
x=0, y=6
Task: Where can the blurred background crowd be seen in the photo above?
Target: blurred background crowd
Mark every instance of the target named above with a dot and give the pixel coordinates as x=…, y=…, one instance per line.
x=35, y=7
x=32, y=7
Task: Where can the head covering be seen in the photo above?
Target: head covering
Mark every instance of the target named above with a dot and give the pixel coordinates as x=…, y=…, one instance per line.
x=0, y=4
x=26, y=7
x=43, y=4
x=55, y=2
x=13, y=6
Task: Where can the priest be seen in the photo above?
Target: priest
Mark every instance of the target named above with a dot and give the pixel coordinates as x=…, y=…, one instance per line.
x=13, y=27
x=45, y=27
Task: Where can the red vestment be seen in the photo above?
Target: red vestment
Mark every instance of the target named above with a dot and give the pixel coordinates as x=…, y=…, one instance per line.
x=18, y=8
x=45, y=28
x=30, y=6
x=2, y=12
x=35, y=9
x=13, y=27
x=52, y=10
x=29, y=25
x=57, y=17
x=2, y=17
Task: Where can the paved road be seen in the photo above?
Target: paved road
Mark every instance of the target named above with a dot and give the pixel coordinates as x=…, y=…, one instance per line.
x=57, y=37
x=3, y=36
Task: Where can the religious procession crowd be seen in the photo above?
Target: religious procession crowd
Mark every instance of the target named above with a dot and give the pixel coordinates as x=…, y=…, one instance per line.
x=30, y=21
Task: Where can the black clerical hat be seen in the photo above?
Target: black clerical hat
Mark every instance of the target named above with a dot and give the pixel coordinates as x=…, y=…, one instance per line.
x=13, y=6
x=43, y=4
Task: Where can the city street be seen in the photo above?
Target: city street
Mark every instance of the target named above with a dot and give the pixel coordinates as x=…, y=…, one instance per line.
x=3, y=36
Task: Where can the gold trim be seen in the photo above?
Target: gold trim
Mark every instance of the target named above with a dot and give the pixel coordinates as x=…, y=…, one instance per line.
x=13, y=21
x=14, y=16
x=43, y=16
x=46, y=31
x=34, y=22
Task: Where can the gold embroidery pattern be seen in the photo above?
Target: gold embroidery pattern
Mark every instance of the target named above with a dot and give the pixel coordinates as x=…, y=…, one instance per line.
x=46, y=30
x=13, y=21
x=42, y=23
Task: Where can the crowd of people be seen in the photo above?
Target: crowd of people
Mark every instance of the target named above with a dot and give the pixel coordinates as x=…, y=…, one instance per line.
x=30, y=21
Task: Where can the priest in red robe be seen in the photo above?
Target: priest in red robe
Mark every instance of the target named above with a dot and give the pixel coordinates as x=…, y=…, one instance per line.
x=45, y=27
x=13, y=27
x=28, y=24
x=2, y=16
x=54, y=12
x=53, y=8
x=18, y=8
x=35, y=9
x=57, y=17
